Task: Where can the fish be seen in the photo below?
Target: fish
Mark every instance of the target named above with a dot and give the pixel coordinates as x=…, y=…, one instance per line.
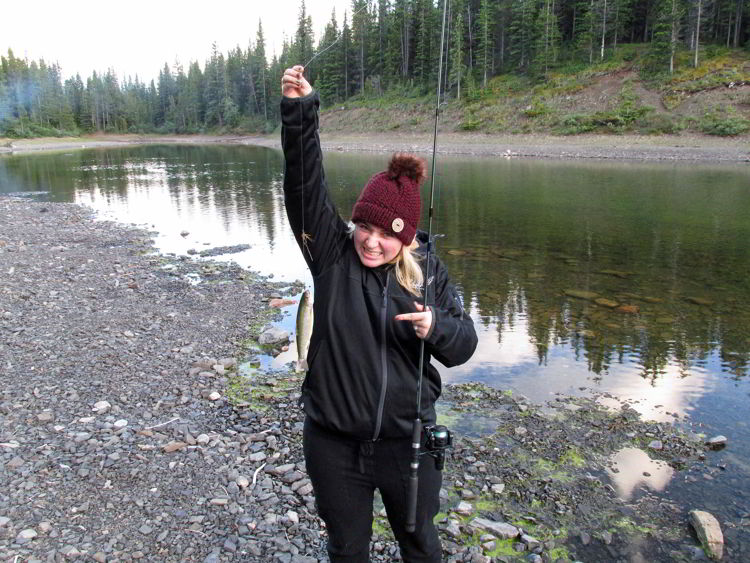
x=304, y=329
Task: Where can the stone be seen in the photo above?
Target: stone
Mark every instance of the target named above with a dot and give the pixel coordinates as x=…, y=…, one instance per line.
x=4, y=521
x=14, y=463
x=305, y=490
x=581, y=294
x=700, y=301
x=656, y=445
x=604, y=302
x=709, y=532
x=464, y=508
x=292, y=516
x=498, y=488
x=717, y=442
x=145, y=529
x=214, y=396
x=220, y=501
x=120, y=424
x=173, y=446
x=101, y=407
x=453, y=529
x=257, y=456
x=242, y=482
x=45, y=527
x=273, y=335
x=25, y=536
x=70, y=552
x=45, y=416
x=628, y=309
x=228, y=363
x=531, y=542
x=203, y=439
x=500, y=529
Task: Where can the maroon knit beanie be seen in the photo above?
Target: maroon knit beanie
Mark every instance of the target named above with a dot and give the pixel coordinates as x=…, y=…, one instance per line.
x=390, y=200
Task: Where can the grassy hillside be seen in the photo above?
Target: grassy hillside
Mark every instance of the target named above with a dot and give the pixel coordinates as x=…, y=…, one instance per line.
x=613, y=97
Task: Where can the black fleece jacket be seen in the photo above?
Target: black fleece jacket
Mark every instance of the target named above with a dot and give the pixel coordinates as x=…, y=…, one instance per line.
x=363, y=365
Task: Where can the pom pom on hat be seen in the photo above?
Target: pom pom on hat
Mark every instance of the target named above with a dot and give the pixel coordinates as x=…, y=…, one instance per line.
x=391, y=199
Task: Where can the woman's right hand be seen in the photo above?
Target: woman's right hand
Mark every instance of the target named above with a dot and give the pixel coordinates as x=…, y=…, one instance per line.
x=294, y=84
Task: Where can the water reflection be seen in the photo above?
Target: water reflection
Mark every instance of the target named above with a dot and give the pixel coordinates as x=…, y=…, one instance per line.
x=630, y=278
x=633, y=468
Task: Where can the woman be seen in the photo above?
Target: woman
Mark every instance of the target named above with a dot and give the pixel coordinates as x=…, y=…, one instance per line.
x=359, y=394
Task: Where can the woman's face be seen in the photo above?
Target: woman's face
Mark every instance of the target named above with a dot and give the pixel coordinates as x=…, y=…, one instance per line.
x=374, y=245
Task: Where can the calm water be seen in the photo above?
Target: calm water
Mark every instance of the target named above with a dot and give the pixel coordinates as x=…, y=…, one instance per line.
x=532, y=245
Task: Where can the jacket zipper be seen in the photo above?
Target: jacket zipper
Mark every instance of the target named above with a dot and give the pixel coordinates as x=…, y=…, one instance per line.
x=383, y=357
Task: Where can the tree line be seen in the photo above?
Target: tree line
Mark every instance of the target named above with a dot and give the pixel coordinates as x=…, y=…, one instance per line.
x=377, y=47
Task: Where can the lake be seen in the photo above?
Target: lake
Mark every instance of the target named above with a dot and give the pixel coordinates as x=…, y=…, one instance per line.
x=621, y=278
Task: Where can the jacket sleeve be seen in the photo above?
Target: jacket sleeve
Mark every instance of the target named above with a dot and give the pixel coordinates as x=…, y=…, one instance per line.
x=308, y=204
x=452, y=338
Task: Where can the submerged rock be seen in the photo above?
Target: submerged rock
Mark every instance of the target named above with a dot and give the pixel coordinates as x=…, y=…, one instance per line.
x=709, y=533
x=604, y=302
x=581, y=294
x=717, y=442
x=629, y=309
x=700, y=301
x=617, y=273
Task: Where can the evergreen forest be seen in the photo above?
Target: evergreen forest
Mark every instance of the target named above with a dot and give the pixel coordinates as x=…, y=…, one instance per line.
x=377, y=49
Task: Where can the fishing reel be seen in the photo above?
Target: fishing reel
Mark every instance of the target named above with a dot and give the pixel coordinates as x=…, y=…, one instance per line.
x=438, y=440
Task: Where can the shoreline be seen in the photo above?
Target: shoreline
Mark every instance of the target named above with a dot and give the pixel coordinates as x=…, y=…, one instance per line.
x=193, y=461
x=676, y=148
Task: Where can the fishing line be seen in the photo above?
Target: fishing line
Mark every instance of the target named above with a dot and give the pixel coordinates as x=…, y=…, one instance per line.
x=411, y=507
x=316, y=55
x=305, y=236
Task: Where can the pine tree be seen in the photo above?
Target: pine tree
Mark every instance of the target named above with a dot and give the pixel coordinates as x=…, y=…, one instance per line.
x=457, y=50
x=485, y=39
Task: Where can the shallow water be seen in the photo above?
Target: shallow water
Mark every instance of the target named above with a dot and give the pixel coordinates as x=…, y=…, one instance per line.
x=625, y=278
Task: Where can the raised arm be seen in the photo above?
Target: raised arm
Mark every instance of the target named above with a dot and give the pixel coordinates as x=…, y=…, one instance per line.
x=317, y=227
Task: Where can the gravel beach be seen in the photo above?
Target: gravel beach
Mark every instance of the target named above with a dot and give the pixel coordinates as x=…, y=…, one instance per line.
x=661, y=148
x=116, y=437
x=127, y=434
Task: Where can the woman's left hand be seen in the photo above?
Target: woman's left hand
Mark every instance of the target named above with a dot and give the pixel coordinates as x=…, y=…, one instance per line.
x=421, y=321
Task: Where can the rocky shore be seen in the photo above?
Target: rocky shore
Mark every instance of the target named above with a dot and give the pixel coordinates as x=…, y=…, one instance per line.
x=134, y=425
x=664, y=148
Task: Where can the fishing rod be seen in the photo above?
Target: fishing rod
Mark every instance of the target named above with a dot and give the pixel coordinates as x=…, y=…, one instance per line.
x=416, y=433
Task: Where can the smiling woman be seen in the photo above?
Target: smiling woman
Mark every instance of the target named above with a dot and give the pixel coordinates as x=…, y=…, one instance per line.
x=369, y=342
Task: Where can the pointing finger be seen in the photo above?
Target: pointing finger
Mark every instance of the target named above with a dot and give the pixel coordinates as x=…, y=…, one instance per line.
x=407, y=317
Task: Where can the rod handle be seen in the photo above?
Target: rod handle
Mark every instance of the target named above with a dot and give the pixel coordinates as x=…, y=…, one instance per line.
x=411, y=498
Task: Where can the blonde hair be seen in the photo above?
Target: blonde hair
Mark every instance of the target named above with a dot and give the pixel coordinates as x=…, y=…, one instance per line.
x=408, y=272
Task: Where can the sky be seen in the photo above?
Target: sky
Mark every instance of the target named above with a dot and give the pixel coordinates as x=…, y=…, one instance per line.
x=139, y=36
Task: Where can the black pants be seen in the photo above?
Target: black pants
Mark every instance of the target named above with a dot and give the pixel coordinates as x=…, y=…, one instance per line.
x=345, y=474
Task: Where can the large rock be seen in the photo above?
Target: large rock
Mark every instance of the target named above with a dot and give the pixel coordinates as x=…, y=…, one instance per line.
x=709, y=533
x=499, y=529
x=273, y=335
